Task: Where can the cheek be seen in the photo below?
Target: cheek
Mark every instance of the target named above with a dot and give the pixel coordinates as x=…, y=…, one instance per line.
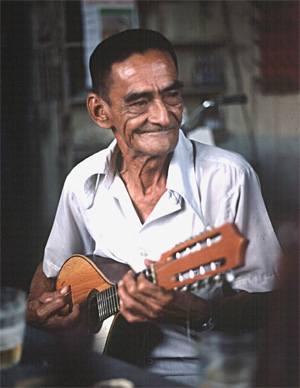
x=177, y=112
x=134, y=122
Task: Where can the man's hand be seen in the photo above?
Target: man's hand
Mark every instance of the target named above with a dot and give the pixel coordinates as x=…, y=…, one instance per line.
x=45, y=311
x=142, y=301
x=44, y=304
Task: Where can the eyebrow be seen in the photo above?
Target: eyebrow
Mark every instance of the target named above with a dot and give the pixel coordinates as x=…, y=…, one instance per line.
x=133, y=96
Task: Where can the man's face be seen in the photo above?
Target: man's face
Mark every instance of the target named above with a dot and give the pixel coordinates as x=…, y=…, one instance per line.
x=146, y=104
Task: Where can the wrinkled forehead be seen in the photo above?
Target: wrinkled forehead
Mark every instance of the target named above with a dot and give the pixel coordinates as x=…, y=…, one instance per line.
x=152, y=65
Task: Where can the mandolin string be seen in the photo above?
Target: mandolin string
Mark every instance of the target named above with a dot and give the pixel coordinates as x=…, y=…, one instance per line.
x=113, y=296
x=110, y=297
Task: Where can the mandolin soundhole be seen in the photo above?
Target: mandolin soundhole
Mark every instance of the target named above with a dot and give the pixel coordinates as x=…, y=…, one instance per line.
x=94, y=323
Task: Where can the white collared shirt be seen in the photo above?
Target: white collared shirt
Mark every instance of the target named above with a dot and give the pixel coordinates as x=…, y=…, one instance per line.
x=95, y=213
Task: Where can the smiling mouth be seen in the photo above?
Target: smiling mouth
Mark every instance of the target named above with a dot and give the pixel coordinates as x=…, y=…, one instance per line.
x=158, y=130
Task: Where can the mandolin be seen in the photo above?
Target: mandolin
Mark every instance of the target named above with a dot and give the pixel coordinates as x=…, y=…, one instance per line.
x=208, y=257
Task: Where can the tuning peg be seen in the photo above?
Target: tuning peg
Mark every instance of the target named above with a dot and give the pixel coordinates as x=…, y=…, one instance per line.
x=195, y=285
x=180, y=277
x=230, y=277
x=218, y=279
x=187, y=251
x=213, y=266
x=196, y=247
x=202, y=270
x=184, y=288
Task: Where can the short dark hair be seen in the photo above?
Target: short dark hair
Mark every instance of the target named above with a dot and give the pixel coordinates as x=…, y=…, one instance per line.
x=117, y=48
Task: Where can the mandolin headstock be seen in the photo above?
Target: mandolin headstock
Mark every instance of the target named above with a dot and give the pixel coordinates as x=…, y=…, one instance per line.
x=208, y=255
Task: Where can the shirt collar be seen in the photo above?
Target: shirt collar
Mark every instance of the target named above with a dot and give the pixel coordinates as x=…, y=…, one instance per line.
x=181, y=174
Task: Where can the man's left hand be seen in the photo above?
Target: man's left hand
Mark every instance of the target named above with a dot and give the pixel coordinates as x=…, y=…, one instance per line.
x=143, y=301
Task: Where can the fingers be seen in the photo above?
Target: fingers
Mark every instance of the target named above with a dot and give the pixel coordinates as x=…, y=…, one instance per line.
x=148, y=262
x=48, y=296
x=140, y=300
x=45, y=311
x=63, y=322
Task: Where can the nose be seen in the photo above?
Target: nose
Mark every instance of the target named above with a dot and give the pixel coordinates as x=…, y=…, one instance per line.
x=159, y=114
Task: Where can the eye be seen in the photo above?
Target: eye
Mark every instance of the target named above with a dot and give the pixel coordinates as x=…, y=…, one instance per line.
x=173, y=97
x=139, y=103
x=138, y=106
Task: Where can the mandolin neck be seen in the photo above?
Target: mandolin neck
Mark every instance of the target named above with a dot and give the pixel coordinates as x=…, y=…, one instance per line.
x=108, y=301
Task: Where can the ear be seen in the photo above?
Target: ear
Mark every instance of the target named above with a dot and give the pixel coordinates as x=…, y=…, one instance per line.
x=98, y=110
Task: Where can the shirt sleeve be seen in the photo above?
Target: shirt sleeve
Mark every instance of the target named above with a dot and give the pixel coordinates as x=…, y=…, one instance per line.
x=263, y=255
x=68, y=235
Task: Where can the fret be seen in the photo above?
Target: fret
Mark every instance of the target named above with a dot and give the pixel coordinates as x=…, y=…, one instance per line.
x=111, y=308
x=108, y=302
x=113, y=297
x=105, y=304
x=117, y=298
x=98, y=296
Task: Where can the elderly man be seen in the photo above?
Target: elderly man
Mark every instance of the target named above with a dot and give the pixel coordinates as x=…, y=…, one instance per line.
x=151, y=189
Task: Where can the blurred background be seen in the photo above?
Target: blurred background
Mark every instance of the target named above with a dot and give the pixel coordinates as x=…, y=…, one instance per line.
x=224, y=48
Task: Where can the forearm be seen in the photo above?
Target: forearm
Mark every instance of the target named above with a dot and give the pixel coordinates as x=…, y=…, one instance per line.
x=187, y=307
x=243, y=311
x=40, y=284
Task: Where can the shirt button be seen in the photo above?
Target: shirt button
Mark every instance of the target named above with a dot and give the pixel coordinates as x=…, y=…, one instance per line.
x=144, y=254
x=150, y=361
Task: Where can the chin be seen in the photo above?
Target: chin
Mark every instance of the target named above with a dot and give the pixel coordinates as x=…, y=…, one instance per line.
x=157, y=143
x=160, y=149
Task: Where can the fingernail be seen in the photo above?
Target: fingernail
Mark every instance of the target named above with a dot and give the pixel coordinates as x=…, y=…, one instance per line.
x=64, y=290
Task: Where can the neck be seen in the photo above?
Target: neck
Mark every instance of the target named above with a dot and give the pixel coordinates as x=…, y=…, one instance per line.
x=144, y=173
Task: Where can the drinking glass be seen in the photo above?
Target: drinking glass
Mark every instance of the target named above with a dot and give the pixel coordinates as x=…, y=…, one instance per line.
x=226, y=360
x=12, y=325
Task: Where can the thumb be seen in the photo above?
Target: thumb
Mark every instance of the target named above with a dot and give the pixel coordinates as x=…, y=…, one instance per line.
x=148, y=262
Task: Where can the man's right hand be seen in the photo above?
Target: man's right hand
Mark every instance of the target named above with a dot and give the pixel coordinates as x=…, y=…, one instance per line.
x=45, y=311
x=44, y=304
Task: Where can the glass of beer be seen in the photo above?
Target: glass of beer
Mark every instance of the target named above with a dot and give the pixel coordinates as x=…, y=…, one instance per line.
x=12, y=325
x=227, y=360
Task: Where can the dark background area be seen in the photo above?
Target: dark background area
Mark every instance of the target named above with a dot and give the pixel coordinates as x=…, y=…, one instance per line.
x=20, y=174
